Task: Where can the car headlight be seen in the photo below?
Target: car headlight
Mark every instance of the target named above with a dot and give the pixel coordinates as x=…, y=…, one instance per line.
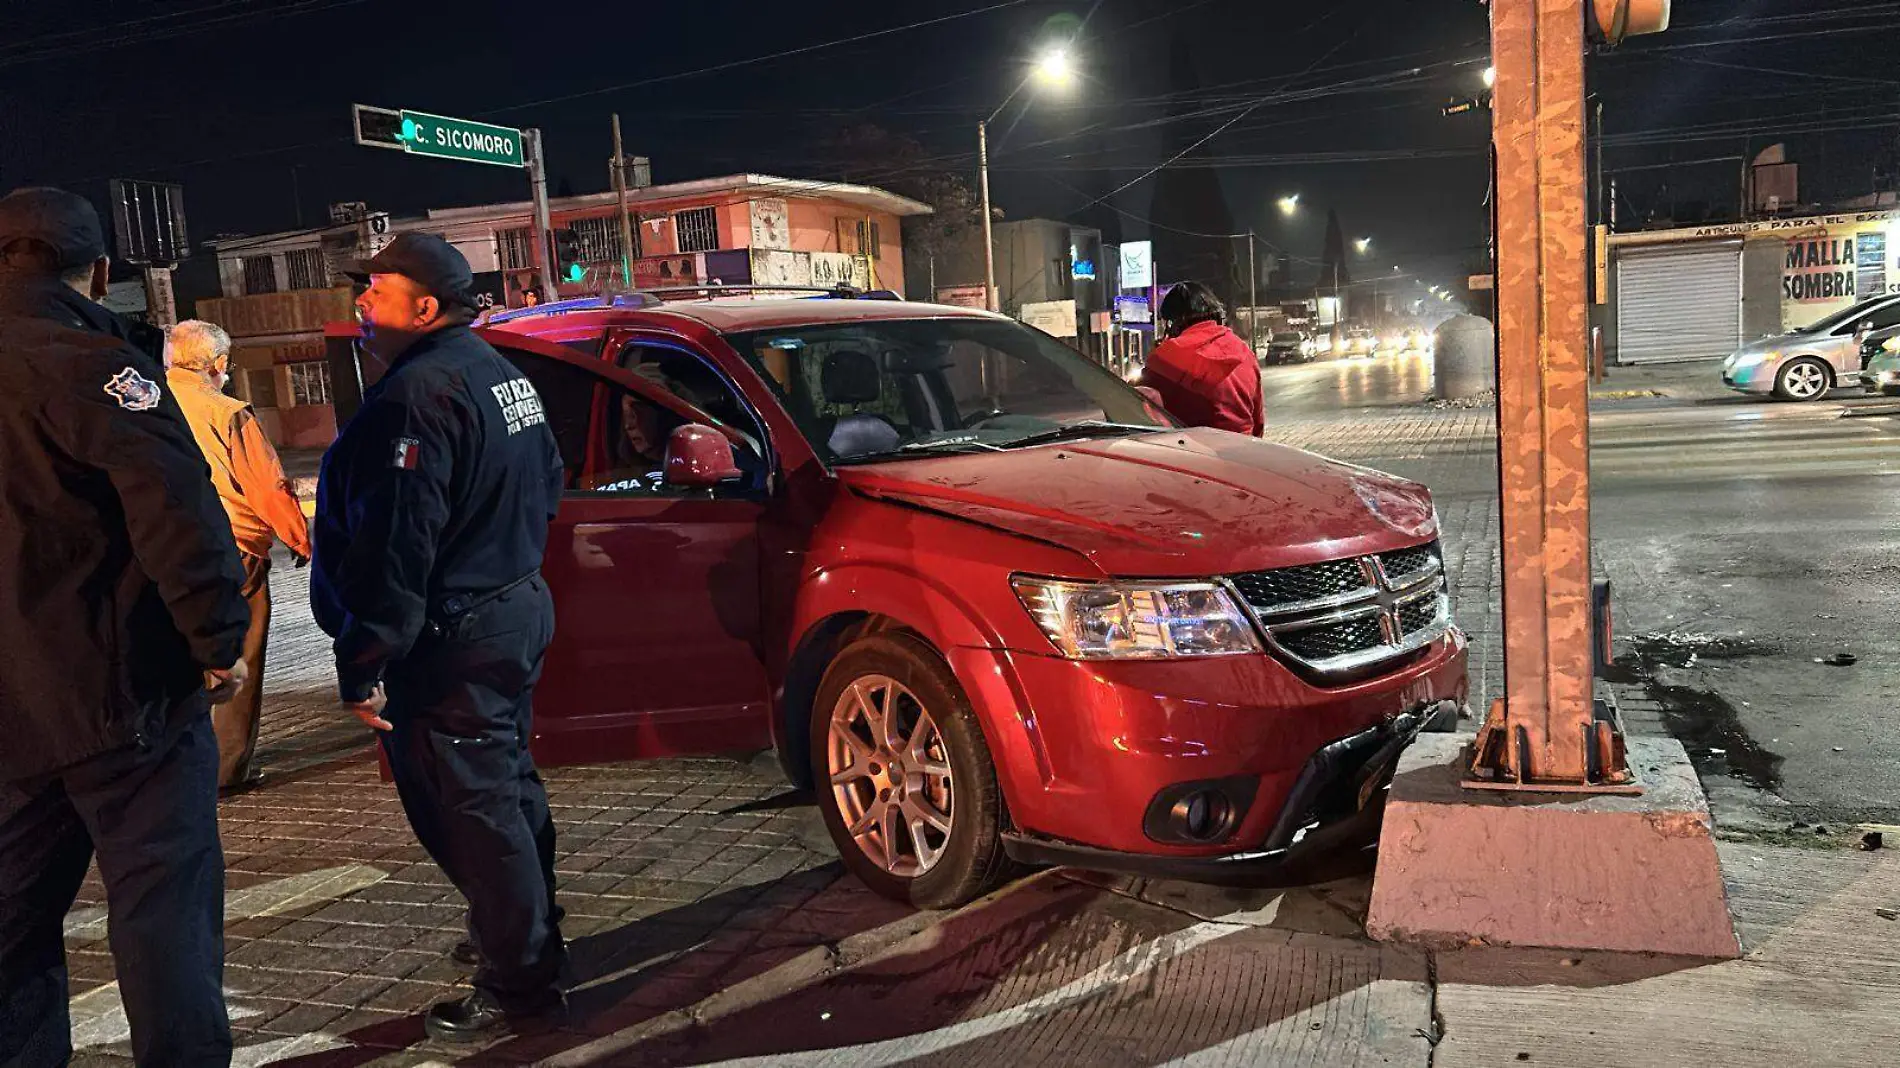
x=1750, y=359
x=1137, y=620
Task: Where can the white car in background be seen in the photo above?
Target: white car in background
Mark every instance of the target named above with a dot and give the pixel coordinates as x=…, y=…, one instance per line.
x=1804, y=364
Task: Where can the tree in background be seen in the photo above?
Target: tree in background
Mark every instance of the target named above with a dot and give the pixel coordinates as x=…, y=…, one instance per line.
x=950, y=239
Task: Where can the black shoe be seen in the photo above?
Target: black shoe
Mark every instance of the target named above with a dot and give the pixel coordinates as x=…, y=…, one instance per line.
x=476, y=1018
x=466, y=953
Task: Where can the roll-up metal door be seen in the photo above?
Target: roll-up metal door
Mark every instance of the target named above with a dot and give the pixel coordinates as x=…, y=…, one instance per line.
x=1678, y=302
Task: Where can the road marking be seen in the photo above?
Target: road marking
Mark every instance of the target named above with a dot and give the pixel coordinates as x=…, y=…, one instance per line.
x=272, y=898
x=98, y=1015
x=1128, y=965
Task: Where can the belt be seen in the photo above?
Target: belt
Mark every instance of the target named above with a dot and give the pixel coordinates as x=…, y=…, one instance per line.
x=463, y=603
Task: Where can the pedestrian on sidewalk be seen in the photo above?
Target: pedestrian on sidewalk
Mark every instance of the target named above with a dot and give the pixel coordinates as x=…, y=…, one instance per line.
x=123, y=619
x=432, y=516
x=1205, y=373
x=262, y=509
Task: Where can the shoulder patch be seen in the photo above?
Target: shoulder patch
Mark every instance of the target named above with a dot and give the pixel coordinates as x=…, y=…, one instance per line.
x=133, y=391
x=408, y=454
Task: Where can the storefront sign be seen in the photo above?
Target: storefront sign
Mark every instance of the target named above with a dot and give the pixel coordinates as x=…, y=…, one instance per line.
x=1138, y=264
x=771, y=225
x=1826, y=269
x=660, y=272
x=961, y=296
x=1053, y=317
x=837, y=269
x=775, y=267
x=1133, y=310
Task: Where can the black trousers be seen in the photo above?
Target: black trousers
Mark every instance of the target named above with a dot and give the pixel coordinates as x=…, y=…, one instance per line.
x=461, y=708
x=151, y=815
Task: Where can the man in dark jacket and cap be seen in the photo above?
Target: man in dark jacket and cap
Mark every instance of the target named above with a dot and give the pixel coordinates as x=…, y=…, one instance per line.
x=122, y=618
x=432, y=516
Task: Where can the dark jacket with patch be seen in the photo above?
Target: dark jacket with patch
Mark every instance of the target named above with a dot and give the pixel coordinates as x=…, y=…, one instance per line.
x=439, y=489
x=119, y=580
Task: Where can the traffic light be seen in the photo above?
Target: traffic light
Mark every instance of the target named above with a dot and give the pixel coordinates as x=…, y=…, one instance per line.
x=567, y=257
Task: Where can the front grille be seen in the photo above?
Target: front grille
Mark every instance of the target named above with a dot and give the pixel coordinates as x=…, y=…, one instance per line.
x=1334, y=639
x=1406, y=563
x=1344, y=617
x=1418, y=615
x=1287, y=586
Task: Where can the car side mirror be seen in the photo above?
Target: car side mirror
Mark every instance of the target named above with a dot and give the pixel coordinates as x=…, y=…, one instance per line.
x=699, y=457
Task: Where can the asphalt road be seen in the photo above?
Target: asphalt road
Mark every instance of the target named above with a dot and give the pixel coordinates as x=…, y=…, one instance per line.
x=1748, y=541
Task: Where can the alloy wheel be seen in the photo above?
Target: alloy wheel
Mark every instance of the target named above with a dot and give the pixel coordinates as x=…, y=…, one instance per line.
x=1805, y=381
x=890, y=775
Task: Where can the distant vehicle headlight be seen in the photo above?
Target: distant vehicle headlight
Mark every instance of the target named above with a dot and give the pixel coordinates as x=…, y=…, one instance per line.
x=1137, y=620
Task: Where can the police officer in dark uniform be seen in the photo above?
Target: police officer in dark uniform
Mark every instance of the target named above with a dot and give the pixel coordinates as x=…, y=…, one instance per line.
x=432, y=514
x=122, y=618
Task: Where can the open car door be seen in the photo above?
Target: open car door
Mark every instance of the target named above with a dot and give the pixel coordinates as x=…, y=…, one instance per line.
x=657, y=640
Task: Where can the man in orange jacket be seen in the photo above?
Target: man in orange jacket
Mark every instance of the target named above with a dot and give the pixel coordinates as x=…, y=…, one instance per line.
x=262, y=509
x=1206, y=375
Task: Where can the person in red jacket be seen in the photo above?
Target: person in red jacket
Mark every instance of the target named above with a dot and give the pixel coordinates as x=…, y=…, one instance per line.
x=1206, y=375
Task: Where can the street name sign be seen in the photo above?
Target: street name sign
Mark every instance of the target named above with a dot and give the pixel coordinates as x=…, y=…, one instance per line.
x=420, y=133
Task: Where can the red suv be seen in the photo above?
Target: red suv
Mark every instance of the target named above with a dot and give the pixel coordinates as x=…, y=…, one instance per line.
x=984, y=596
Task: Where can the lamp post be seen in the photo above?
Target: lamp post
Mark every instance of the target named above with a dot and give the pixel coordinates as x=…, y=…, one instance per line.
x=1054, y=68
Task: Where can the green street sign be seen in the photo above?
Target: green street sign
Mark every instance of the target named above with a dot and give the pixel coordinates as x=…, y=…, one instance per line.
x=423, y=134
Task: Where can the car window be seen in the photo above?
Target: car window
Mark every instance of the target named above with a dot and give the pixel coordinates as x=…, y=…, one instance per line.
x=1884, y=316
x=1842, y=322
x=889, y=388
x=612, y=439
x=567, y=395
x=688, y=376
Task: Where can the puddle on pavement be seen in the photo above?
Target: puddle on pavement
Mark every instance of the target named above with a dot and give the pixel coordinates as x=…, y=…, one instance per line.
x=1706, y=724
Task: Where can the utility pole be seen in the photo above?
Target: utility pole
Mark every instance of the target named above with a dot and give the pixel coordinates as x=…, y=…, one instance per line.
x=543, y=228
x=1253, y=298
x=989, y=242
x=626, y=218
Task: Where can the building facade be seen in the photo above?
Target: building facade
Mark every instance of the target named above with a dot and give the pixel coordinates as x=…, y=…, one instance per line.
x=279, y=290
x=1700, y=292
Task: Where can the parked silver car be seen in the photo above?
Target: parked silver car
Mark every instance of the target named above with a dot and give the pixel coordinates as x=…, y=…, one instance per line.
x=1802, y=365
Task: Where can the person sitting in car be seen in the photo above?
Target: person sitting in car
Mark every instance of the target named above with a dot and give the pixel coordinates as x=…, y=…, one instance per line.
x=637, y=454
x=1206, y=375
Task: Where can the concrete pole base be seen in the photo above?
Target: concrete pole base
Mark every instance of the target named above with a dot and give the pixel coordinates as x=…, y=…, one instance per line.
x=1629, y=874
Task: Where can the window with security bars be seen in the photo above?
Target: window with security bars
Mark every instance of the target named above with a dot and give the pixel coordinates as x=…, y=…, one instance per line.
x=697, y=229
x=599, y=239
x=306, y=268
x=260, y=275
x=309, y=383
x=516, y=248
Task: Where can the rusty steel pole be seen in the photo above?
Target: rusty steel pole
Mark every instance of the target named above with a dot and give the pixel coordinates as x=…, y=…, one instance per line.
x=1546, y=732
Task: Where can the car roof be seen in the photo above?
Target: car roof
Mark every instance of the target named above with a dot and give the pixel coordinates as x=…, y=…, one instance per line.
x=733, y=314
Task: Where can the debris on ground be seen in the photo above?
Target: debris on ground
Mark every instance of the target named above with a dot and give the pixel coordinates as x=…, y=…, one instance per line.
x=1887, y=914
x=1487, y=399
x=1840, y=660
x=1869, y=842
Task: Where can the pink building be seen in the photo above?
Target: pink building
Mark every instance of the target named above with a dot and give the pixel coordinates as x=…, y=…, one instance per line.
x=280, y=289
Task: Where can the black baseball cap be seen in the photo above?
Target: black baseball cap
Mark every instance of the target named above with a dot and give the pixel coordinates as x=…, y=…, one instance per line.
x=427, y=260
x=65, y=222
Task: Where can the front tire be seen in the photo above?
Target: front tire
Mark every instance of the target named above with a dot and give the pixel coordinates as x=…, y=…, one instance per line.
x=1805, y=379
x=904, y=776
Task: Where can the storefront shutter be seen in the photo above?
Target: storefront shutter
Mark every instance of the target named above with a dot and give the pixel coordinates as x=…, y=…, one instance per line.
x=1678, y=302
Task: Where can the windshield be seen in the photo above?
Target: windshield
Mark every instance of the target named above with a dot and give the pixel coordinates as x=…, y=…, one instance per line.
x=906, y=387
x=1286, y=339
x=1839, y=317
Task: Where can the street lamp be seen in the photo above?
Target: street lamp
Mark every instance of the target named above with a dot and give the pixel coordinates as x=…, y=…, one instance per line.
x=1053, y=67
x=1289, y=204
x=1364, y=245
x=1490, y=77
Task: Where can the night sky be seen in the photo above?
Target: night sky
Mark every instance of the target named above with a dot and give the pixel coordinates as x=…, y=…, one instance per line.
x=247, y=103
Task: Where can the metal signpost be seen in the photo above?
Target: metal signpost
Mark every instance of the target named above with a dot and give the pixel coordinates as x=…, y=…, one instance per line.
x=420, y=133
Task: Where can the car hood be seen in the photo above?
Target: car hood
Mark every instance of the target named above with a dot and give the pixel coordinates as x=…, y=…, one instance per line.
x=1173, y=503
